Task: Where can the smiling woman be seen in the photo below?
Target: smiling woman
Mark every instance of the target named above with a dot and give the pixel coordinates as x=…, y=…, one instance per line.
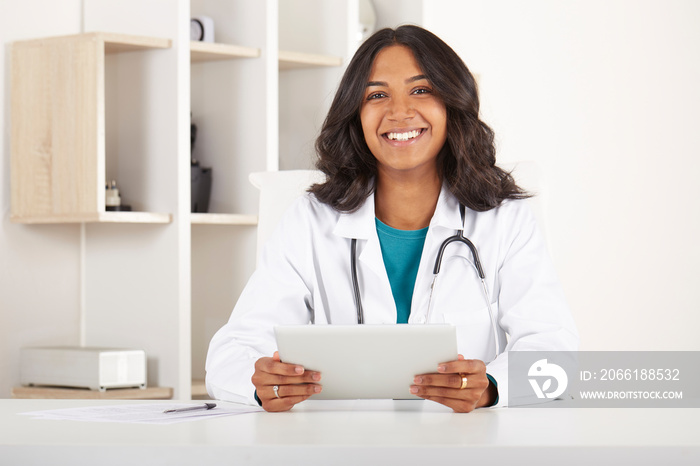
x=410, y=170
x=466, y=162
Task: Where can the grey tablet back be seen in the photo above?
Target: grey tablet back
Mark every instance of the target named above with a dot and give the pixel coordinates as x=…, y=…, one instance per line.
x=367, y=361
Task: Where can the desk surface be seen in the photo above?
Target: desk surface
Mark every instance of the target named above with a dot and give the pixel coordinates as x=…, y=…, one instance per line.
x=356, y=432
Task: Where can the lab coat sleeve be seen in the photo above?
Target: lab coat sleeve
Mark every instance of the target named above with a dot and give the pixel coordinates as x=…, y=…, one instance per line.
x=532, y=306
x=278, y=293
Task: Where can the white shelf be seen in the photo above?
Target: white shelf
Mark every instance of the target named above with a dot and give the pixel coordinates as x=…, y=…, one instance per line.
x=224, y=219
x=207, y=51
x=62, y=393
x=289, y=60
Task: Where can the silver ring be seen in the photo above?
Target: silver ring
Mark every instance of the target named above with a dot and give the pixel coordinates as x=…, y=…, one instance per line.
x=275, y=388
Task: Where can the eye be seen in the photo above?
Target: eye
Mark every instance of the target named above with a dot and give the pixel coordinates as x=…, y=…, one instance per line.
x=376, y=95
x=422, y=90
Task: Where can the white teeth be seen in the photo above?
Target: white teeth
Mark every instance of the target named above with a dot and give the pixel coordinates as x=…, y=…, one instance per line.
x=403, y=136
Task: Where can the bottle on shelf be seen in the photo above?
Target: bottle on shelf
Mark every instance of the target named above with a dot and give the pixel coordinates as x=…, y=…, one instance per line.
x=113, y=202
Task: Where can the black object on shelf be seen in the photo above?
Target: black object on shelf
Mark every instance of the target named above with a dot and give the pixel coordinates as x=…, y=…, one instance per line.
x=200, y=177
x=201, y=187
x=118, y=208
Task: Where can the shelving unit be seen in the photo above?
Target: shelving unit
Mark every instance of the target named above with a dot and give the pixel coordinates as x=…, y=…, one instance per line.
x=165, y=282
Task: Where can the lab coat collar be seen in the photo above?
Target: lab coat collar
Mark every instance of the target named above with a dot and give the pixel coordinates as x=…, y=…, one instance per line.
x=361, y=223
x=447, y=211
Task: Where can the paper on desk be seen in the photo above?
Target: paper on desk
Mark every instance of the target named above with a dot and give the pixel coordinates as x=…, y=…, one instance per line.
x=141, y=413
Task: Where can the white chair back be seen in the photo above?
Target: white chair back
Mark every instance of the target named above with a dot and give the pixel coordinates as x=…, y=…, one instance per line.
x=278, y=189
x=528, y=175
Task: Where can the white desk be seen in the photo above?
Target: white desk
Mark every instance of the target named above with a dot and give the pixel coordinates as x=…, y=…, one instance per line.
x=358, y=432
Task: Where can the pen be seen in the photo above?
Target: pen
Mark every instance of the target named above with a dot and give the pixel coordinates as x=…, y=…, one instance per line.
x=191, y=408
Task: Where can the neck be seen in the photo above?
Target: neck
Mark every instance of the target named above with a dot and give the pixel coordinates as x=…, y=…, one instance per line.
x=406, y=203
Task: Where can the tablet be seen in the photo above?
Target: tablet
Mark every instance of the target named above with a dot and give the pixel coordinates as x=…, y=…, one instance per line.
x=367, y=361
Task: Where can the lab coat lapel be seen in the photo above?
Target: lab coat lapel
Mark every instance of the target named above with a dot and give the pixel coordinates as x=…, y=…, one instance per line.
x=361, y=226
x=374, y=288
x=446, y=211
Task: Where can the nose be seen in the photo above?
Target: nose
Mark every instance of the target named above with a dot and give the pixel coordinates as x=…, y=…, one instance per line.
x=401, y=108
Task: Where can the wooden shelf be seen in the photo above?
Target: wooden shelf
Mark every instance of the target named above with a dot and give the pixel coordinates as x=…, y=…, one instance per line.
x=98, y=217
x=113, y=43
x=36, y=393
x=207, y=51
x=58, y=133
x=224, y=219
x=118, y=43
x=298, y=60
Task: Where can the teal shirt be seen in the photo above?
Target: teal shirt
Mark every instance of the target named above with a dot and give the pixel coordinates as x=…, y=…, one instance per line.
x=401, y=250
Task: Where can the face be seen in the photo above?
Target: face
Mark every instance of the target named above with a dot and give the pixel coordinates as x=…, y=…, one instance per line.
x=403, y=120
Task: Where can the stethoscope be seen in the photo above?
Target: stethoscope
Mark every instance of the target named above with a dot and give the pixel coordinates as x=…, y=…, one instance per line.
x=436, y=270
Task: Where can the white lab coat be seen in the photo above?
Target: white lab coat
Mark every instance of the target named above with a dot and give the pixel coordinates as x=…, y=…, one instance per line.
x=304, y=275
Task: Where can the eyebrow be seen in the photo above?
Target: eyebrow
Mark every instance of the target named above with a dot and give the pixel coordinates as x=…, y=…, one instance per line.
x=408, y=81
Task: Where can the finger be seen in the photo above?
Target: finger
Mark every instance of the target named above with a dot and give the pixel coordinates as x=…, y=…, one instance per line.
x=466, y=366
x=469, y=395
x=287, y=396
x=263, y=379
x=308, y=377
x=451, y=380
x=275, y=366
x=287, y=391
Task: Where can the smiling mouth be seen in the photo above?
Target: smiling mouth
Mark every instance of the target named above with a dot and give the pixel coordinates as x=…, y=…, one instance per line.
x=404, y=136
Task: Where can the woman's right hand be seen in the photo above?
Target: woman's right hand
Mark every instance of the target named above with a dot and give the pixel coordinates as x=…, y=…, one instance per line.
x=294, y=383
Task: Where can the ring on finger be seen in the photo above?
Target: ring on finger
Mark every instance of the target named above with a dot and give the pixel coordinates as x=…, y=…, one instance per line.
x=276, y=388
x=464, y=381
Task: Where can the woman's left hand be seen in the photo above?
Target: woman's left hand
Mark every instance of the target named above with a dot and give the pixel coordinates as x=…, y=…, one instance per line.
x=444, y=387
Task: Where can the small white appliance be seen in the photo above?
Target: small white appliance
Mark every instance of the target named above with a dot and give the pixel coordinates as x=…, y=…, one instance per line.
x=83, y=367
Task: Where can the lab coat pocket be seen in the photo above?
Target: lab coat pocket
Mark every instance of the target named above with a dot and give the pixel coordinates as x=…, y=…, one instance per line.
x=474, y=331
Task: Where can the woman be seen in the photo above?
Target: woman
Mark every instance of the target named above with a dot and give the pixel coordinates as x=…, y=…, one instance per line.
x=403, y=150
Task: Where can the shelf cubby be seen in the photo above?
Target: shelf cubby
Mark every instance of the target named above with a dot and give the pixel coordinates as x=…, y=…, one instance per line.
x=58, y=128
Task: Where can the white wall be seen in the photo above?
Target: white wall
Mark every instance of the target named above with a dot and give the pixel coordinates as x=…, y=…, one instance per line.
x=39, y=265
x=604, y=95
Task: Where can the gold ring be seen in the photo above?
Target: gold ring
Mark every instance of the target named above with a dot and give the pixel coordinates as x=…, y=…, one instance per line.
x=464, y=382
x=276, y=388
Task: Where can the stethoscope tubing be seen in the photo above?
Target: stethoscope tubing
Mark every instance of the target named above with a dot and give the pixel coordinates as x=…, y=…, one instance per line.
x=355, y=284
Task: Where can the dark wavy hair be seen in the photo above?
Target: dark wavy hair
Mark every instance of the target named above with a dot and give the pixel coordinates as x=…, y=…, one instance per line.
x=467, y=161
